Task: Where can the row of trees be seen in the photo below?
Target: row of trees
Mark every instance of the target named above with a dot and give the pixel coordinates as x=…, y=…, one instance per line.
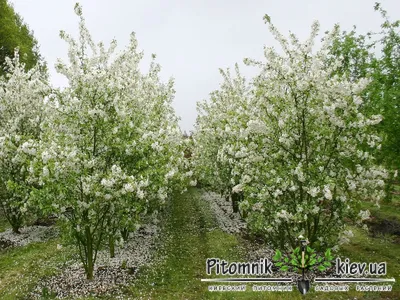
x=296, y=149
x=101, y=153
x=298, y=146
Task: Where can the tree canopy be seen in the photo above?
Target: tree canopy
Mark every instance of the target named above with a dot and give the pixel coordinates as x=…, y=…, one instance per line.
x=15, y=33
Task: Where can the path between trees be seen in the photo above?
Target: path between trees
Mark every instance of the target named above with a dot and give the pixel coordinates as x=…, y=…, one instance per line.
x=190, y=233
x=190, y=237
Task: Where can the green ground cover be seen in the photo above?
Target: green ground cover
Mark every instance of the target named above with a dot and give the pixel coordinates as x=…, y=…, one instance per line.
x=190, y=236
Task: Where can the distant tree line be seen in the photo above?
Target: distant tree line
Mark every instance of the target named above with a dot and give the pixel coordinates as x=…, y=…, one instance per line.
x=14, y=33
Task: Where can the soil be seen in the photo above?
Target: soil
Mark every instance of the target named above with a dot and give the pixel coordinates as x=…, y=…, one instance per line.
x=49, y=221
x=384, y=226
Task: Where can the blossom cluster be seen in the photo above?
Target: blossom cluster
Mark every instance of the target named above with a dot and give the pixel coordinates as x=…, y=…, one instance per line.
x=100, y=153
x=294, y=141
x=21, y=113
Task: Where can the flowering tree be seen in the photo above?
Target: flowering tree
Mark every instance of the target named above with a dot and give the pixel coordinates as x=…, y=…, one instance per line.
x=21, y=114
x=302, y=164
x=112, y=148
x=219, y=136
x=361, y=59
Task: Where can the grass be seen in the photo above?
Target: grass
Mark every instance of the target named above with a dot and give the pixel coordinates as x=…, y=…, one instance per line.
x=191, y=240
x=387, y=210
x=364, y=248
x=22, y=267
x=190, y=236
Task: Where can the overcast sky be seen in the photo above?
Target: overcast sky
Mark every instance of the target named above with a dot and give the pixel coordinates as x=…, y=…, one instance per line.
x=192, y=38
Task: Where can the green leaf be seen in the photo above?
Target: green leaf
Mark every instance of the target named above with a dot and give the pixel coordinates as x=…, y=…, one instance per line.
x=277, y=255
x=284, y=268
x=328, y=253
x=321, y=268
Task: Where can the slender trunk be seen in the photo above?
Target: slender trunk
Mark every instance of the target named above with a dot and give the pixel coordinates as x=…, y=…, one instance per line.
x=236, y=199
x=89, y=274
x=90, y=262
x=235, y=202
x=16, y=224
x=111, y=244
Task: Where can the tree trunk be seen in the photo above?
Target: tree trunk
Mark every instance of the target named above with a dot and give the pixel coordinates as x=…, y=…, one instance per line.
x=111, y=244
x=90, y=267
x=15, y=229
x=235, y=202
x=15, y=221
x=90, y=262
x=236, y=199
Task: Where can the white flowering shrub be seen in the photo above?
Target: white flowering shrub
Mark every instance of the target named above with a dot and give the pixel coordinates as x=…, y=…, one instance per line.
x=112, y=150
x=219, y=136
x=21, y=113
x=299, y=157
